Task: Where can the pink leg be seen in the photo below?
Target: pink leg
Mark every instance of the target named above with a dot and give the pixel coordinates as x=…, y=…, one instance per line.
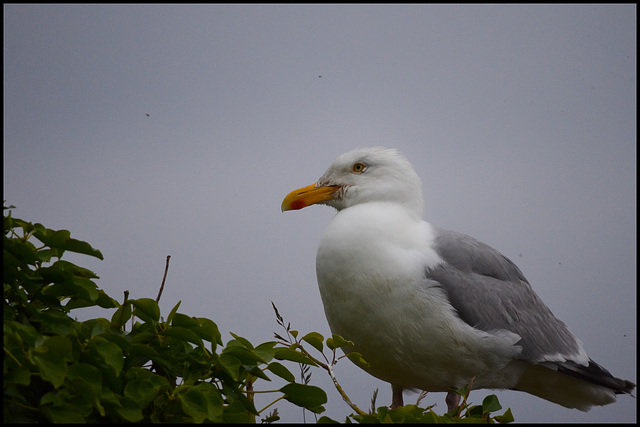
x=453, y=400
x=396, y=392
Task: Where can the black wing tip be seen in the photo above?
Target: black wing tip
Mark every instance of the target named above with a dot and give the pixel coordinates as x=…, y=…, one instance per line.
x=629, y=387
x=626, y=387
x=596, y=374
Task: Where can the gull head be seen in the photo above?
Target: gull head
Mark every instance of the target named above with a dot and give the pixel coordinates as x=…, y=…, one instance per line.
x=364, y=175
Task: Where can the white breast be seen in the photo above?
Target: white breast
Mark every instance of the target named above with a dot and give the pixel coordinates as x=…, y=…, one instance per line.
x=370, y=268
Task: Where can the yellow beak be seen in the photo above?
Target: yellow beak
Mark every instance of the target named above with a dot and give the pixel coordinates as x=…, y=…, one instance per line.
x=309, y=195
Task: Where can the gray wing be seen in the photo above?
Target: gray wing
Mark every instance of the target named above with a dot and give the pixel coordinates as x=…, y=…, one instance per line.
x=490, y=293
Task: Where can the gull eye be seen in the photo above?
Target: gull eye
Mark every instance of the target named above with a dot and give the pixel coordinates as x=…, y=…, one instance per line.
x=359, y=167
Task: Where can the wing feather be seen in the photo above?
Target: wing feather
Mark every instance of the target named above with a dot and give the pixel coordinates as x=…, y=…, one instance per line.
x=490, y=293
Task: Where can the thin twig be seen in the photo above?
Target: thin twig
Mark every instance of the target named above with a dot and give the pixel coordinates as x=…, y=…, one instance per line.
x=166, y=269
x=373, y=401
x=353, y=406
x=422, y=395
x=463, y=405
x=124, y=325
x=326, y=366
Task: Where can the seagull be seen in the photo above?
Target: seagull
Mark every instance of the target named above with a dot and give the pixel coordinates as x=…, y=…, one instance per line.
x=432, y=309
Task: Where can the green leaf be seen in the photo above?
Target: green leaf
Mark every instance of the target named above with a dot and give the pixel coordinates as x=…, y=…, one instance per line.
x=294, y=356
x=143, y=334
x=142, y=391
x=86, y=381
x=142, y=352
x=236, y=412
x=87, y=289
x=57, y=238
x=475, y=411
x=406, y=414
x=270, y=419
x=257, y=372
x=62, y=240
x=184, y=321
x=146, y=309
x=67, y=413
x=464, y=391
x=429, y=417
x=246, y=356
x=111, y=354
x=491, y=404
x=51, y=358
x=245, y=342
x=105, y=301
x=25, y=332
x=306, y=396
x=209, y=331
x=231, y=365
x=183, y=334
x=101, y=300
x=138, y=373
x=315, y=339
x=45, y=255
x=358, y=360
x=20, y=375
x=281, y=371
x=19, y=252
x=505, y=418
x=81, y=247
x=173, y=312
x=130, y=410
x=142, y=387
x=93, y=327
x=336, y=341
x=57, y=323
x=122, y=315
x=61, y=345
x=88, y=373
x=202, y=402
x=266, y=351
x=326, y=420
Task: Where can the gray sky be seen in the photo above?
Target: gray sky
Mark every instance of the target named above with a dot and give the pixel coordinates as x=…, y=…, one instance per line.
x=520, y=120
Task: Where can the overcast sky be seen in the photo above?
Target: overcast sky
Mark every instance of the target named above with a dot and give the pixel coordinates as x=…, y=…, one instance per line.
x=177, y=130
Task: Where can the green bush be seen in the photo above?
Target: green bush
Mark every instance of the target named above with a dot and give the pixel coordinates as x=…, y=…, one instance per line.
x=58, y=369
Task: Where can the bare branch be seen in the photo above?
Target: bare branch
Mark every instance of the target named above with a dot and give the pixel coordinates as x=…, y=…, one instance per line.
x=164, y=278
